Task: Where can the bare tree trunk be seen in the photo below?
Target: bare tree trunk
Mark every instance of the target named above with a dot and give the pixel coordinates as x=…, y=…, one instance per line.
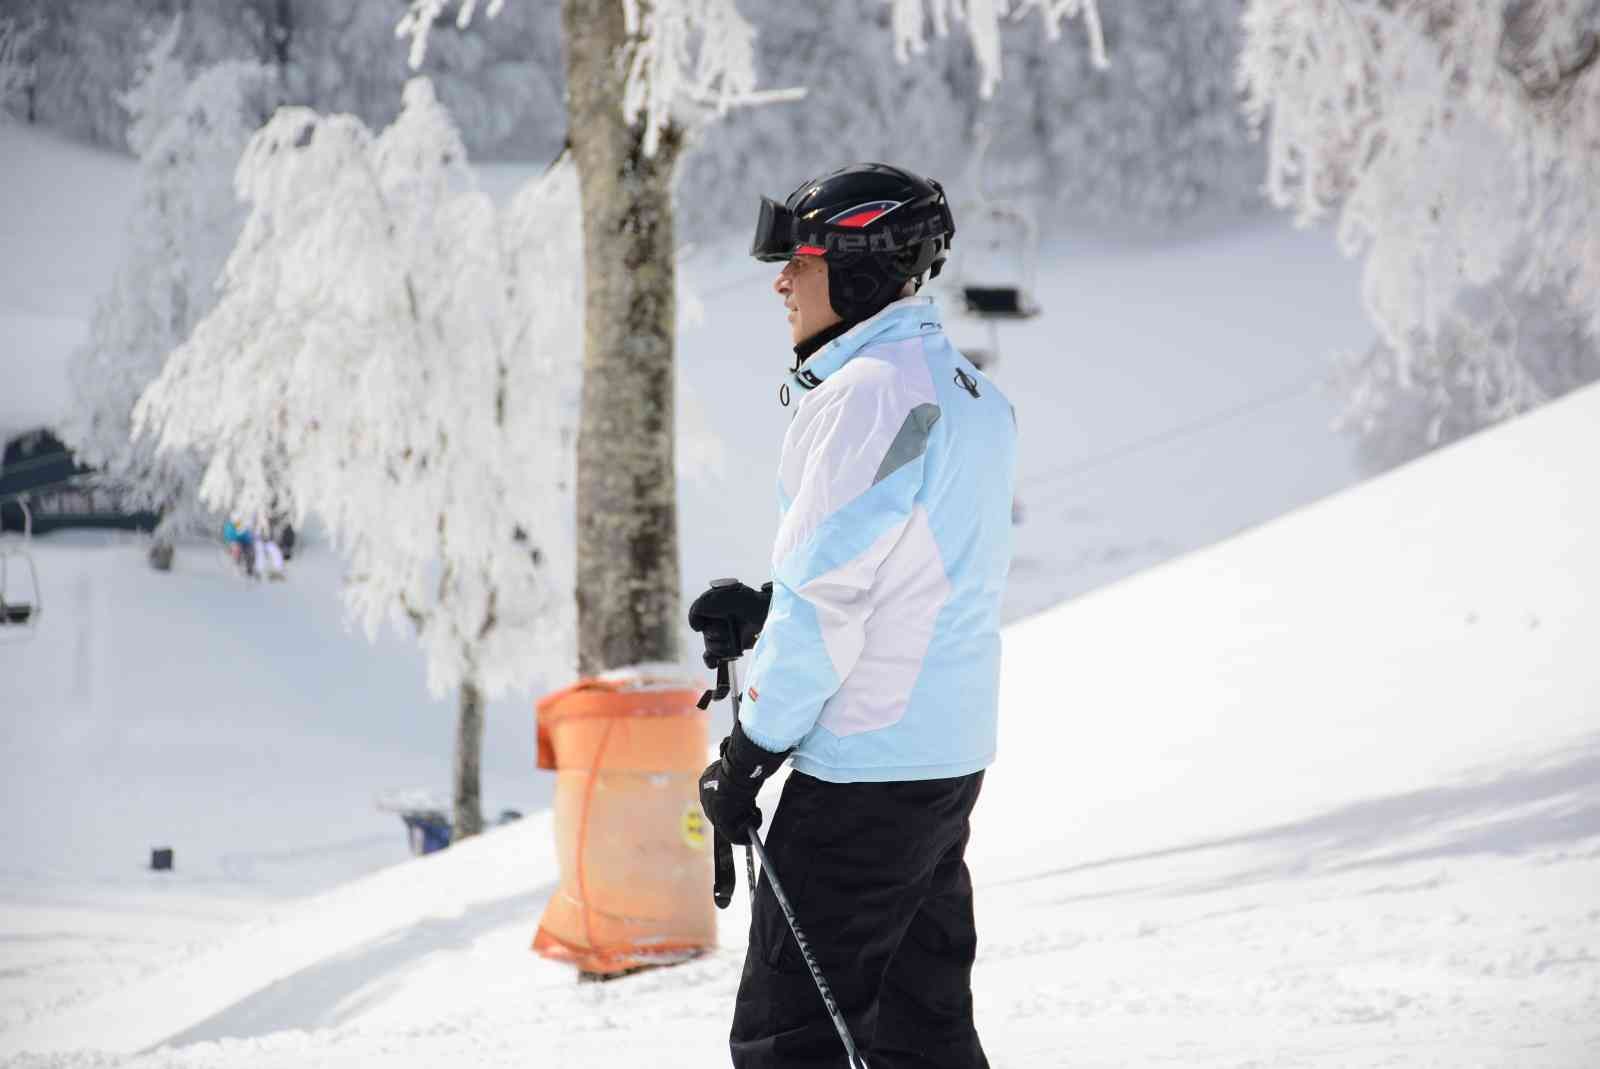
x=626, y=493
x=468, y=816
x=160, y=554
x=282, y=35
x=164, y=539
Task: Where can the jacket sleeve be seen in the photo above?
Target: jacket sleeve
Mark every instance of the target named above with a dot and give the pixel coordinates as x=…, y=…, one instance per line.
x=853, y=465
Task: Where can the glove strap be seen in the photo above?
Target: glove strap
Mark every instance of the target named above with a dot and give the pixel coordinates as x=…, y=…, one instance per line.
x=721, y=690
x=723, y=874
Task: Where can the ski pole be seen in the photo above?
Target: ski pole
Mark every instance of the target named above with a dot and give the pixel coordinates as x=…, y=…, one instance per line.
x=750, y=875
x=760, y=851
x=856, y=1061
x=749, y=855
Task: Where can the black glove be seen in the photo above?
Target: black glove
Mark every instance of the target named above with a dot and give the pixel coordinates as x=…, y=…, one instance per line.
x=729, y=616
x=728, y=786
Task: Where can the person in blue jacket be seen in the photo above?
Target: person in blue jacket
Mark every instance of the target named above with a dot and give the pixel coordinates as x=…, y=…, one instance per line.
x=240, y=546
x=876, y=646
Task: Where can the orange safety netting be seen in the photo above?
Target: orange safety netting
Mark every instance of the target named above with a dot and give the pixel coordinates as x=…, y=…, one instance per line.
x=634, y=848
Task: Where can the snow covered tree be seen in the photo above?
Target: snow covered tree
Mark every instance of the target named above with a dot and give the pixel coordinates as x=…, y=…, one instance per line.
x=188, y=133
x=1156, y=136
x=912, y=18
x=502, y=86
x=638, y=73
x=17, y=68
x=396, y=356
x=1459, y=143
x=1501, y=351
x=84, y=59
x=501, y=83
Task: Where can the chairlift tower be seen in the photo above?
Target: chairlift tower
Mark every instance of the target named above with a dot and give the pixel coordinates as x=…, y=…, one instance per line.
x=20, y=605
x=999, y=284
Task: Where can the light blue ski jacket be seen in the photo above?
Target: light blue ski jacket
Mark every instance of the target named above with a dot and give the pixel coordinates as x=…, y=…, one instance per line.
x=880, y=657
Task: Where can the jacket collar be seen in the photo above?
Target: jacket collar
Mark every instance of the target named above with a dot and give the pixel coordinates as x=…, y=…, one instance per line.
x=904, y=318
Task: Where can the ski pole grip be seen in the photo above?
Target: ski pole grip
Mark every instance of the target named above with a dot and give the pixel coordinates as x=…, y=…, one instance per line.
x=721, y=690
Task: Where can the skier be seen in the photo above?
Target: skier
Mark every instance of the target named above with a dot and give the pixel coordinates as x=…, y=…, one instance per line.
x=876, y=647
x=269, y=555
x=240, y=548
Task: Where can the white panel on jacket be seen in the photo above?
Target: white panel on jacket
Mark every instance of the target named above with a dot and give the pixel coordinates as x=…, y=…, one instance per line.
x=908, y=593
x=841, y=433
x=843, y=599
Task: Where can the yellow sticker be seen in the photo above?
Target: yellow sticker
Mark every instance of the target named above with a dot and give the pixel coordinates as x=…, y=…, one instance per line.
x=693, y=827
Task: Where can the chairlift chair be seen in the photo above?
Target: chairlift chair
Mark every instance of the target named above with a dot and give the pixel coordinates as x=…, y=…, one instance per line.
x=1011, y=296
x=19, y=598
x=995, y=225
x=994, y=296
x=997, y=269
x=995, y=222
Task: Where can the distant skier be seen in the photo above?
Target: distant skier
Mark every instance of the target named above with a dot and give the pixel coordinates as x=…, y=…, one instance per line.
x=877, y=644
x=269, y=555
x=254, y=549
x=240, y=547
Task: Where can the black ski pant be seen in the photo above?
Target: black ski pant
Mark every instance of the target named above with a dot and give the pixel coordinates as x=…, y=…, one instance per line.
x=876, y=876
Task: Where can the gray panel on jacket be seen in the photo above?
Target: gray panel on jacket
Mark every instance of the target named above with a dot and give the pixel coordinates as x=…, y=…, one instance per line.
x=910, y=443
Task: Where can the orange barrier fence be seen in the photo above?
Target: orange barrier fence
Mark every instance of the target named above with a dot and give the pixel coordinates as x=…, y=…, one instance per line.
x=634, y=848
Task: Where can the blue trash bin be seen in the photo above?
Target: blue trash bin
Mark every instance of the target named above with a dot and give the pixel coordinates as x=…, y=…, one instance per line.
x=428, y=832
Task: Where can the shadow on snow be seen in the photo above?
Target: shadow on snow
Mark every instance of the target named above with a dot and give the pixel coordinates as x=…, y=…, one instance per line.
x=1545, y=804
x=335, y=991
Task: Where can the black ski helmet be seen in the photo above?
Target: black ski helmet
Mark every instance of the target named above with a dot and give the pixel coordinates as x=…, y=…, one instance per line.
x=878, y=227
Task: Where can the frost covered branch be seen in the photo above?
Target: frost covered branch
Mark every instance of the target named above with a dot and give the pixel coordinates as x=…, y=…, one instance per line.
x=187, y=132
x=686, y=60
x=910, y=19
x=397, y=355
x=15, y=74
x=685, y=57
x=417, y=22
x=1458, y=141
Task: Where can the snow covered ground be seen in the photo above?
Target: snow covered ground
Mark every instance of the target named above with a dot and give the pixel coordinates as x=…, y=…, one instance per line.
x=1325, y=794
x=238, y=723
x=1251, y=809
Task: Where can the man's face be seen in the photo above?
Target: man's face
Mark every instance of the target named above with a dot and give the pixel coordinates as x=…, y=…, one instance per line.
x=803, y=285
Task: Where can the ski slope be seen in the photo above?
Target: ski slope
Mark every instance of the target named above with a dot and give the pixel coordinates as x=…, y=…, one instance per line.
x=1325, y=794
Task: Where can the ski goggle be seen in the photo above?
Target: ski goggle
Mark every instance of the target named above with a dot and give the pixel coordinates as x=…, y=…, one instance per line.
x=878, y=226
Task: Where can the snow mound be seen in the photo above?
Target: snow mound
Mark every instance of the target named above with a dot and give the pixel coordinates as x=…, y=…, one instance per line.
x=325, y=954
x=1439, y=618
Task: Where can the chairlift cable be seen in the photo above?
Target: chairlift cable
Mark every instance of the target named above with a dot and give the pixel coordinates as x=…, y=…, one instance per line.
x=1068, y=472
